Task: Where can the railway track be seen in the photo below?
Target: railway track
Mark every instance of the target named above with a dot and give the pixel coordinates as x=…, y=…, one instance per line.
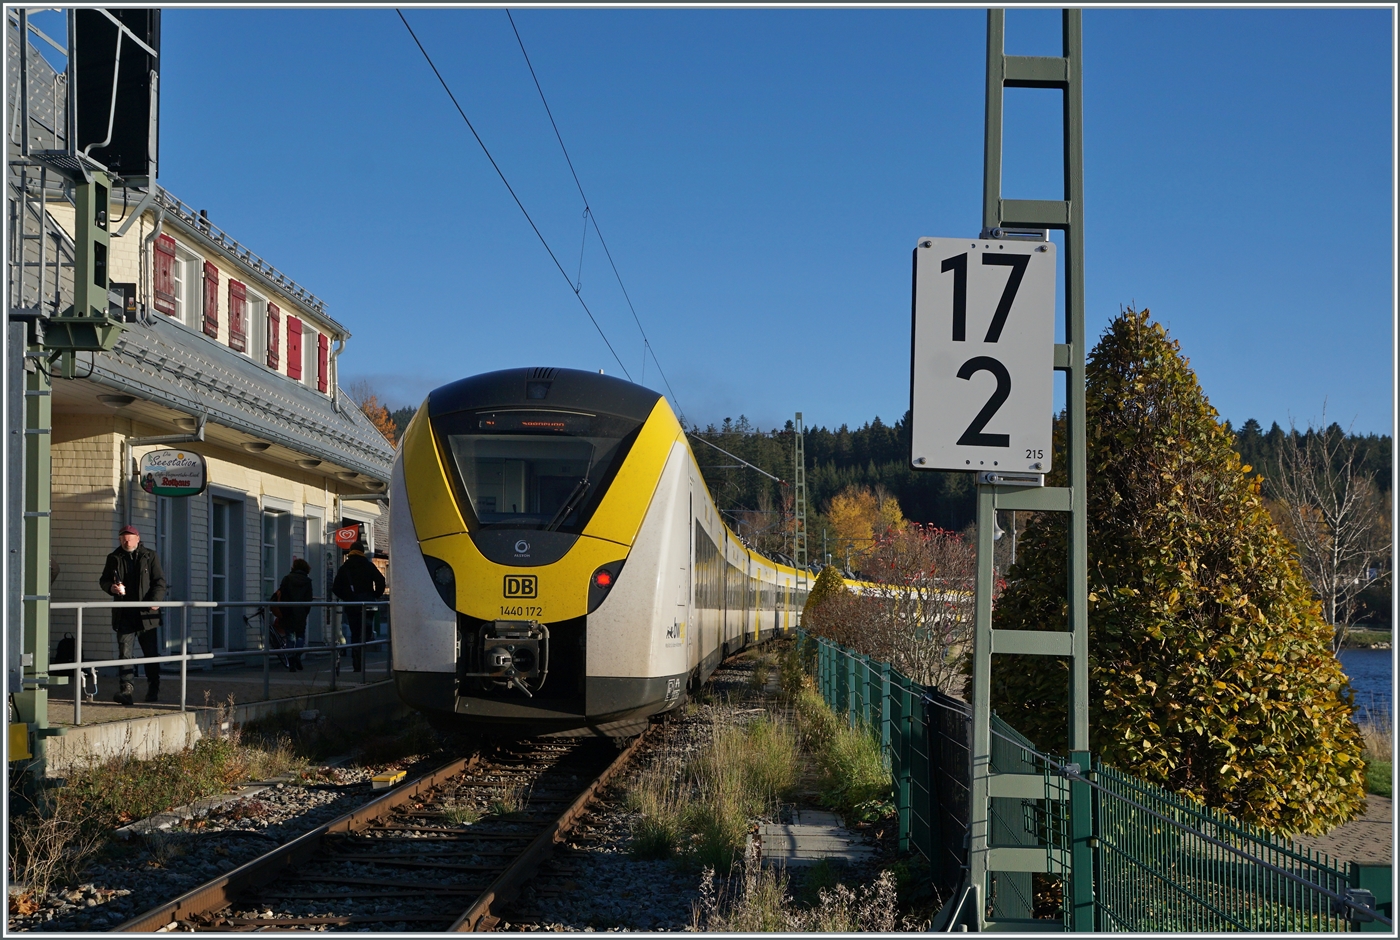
x=438, y=853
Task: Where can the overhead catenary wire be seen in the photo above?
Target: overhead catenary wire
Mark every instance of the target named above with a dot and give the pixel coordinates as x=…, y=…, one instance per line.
x=511, y=190
x=593, y=218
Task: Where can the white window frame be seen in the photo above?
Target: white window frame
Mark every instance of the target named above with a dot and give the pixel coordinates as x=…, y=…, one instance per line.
x=310, y=346
x=188, y=275
x=255, y=326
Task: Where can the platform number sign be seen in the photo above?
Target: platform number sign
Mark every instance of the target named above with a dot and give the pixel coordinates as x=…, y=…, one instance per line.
x=983, y=354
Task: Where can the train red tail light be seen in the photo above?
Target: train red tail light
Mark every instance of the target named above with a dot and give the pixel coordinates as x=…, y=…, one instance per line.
x=601, y=584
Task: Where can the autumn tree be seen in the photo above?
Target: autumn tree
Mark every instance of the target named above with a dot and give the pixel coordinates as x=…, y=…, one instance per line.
x=915, y=612
x=377, y=414
x=1210, y=666
x=858, y=516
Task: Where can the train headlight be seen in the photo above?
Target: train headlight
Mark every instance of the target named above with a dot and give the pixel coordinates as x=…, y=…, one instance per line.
x=601, y=583
x=440, y=572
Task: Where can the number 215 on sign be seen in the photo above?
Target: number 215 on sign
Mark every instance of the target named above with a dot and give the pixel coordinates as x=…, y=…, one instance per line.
x=983, y=354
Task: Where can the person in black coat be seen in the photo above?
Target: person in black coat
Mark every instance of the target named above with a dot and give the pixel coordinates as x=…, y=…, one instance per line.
x=296, y=586
x=132, y=573
x=357, y=580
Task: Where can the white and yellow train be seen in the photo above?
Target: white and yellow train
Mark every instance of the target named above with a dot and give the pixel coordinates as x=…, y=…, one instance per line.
x=559, y=565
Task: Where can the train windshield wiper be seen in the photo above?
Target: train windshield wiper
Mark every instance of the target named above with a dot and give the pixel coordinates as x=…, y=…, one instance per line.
x=568, y=506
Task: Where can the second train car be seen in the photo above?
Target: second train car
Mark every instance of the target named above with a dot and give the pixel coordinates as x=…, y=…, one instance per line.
x=559, y=565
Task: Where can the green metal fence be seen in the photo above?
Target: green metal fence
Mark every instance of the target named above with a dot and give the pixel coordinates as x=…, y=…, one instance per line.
x=1168, y=863
x=924, y=733
x=1161, y=862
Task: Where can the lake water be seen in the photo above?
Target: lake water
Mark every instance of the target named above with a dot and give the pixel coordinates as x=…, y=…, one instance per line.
x=1370, y=672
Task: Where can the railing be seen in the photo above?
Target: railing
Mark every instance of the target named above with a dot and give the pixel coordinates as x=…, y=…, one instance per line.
x=185, y=657
x=1161, y=862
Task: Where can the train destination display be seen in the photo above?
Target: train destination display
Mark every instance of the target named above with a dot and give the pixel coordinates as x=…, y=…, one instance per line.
x=983, y=354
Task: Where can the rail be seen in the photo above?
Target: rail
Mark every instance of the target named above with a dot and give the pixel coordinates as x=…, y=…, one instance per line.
x=185, y=657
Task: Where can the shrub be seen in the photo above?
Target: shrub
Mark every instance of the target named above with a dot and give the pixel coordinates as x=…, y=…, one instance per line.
x=1210, y=668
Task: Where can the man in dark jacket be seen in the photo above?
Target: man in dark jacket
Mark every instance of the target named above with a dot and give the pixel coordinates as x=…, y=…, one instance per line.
x=133, y=573
x=296, y=586
x=357, y=580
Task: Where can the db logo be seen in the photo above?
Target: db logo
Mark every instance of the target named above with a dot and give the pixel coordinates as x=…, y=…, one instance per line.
x=522, y=585
x=346, y=536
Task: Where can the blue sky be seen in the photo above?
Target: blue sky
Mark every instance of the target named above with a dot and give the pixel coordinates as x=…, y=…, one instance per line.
x=761, y=177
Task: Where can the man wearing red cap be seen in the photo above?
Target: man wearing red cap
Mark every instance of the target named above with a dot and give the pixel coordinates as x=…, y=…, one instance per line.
x=133, y=573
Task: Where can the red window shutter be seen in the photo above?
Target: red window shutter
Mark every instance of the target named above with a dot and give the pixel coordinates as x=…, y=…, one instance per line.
x=323, y=347
x=237, y=310
x=163, y=276
x=274, y=324
x=211, y=300
x=293, y=348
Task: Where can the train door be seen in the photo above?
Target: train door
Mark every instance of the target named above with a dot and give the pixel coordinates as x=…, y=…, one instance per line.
x=690, y=616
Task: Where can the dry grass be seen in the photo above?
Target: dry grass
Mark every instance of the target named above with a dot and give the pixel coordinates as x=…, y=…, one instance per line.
x=463, y=814
x=704, y=811
x=758, y=900
x=1377, y=731
x=49, y=847
x=509, y=802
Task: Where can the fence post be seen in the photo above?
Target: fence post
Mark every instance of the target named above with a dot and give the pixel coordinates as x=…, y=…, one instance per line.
x=885, y=707
x=1081, y=864
x=901, y=780
x=850, y=689
x=78, y=673
x=184, y=653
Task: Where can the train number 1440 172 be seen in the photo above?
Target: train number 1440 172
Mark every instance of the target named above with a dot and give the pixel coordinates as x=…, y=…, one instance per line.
x=521, y=611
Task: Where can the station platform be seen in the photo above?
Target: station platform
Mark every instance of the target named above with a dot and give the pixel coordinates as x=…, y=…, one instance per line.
x=217, y=700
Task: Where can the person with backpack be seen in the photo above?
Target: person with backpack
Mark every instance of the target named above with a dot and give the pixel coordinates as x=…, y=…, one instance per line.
x=133, y=573
x=296, y=586
x=357, y=580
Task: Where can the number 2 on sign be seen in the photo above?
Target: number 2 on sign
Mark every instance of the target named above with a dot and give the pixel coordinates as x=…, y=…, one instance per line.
x=958, y=265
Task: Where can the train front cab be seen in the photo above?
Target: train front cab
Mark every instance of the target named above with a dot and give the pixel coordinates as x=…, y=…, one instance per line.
x=607, y=591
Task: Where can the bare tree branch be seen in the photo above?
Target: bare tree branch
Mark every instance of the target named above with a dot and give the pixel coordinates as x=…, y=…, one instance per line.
x=1335, y=518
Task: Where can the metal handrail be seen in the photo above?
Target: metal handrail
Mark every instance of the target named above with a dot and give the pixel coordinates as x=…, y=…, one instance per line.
x=184, y=657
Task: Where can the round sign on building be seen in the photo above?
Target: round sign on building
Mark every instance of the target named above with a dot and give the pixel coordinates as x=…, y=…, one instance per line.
x=173, y=473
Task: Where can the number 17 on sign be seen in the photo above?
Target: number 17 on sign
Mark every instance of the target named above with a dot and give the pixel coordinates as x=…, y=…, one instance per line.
x=983, y=358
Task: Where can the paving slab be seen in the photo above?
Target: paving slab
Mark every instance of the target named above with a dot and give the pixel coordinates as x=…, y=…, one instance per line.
x=812, y=836
x=1366, y=841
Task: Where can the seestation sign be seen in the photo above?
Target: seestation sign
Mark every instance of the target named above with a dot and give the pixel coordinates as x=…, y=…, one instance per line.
x=173, y=473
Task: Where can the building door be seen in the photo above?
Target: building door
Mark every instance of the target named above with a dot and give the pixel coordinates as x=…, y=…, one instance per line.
x=173, y=548
x=315, y=557
x=226, y=628
x=276, y=556
x=219, y=572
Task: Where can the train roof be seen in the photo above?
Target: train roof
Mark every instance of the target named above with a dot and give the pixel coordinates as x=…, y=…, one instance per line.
x=545, y=388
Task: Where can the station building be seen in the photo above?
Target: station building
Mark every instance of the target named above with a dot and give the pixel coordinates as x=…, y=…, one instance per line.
x=215, y=338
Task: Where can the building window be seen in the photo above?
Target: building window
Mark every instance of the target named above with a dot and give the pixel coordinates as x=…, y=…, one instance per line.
x=309, y=347
x=219, y=559
x=276, y=549
x=255, y=323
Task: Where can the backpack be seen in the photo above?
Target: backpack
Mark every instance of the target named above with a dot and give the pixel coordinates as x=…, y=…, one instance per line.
x=67, y=650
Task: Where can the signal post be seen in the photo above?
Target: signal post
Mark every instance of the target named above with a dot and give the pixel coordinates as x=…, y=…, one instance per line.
x=981, y=395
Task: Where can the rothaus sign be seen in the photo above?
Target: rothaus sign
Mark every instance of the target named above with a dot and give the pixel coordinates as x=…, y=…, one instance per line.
x=173, y=473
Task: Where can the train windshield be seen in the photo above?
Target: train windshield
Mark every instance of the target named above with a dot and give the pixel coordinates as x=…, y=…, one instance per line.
x=535, y=469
